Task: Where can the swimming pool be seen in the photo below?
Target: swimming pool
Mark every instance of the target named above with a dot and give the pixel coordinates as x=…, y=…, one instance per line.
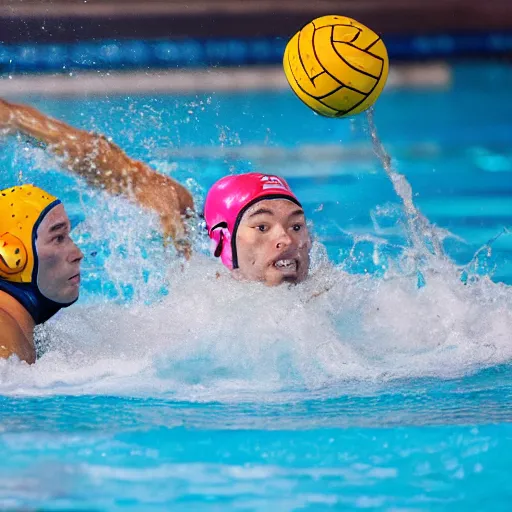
x=390, y=392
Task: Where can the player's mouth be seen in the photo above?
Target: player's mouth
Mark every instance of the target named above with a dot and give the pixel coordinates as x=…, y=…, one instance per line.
x=75, y=279
x=287, y=266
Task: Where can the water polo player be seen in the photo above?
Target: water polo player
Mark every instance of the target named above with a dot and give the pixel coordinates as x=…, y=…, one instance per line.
x=258, y=228
x=39, y=266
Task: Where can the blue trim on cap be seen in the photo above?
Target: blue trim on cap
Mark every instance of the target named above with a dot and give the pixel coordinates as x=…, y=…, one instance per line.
x=42, y=215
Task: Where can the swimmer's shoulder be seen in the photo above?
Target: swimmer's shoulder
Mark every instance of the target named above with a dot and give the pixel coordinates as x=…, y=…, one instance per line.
x=13, y=341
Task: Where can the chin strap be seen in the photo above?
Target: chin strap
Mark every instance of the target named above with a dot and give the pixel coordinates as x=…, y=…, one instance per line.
x=40, y=308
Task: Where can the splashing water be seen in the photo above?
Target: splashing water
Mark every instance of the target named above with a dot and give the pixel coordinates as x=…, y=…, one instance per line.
x=425, y=240
x=195, y=333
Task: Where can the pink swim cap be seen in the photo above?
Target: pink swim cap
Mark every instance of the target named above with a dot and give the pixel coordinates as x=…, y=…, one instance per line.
x=229, y=199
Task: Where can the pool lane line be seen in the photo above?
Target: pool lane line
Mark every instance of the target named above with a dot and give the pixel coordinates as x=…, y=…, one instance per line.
x=268, y=78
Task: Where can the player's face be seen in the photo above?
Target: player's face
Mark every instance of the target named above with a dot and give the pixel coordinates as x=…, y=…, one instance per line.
x=273, y=243
x=58, y=276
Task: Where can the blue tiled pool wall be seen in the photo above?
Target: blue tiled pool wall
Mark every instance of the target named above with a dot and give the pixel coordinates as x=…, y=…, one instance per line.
x=190, y=53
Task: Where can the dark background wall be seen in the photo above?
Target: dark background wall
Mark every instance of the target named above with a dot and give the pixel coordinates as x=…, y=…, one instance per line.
x=72, y=20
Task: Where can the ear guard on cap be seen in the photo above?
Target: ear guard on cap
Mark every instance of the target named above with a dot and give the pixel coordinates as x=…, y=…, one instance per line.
x=13, y=255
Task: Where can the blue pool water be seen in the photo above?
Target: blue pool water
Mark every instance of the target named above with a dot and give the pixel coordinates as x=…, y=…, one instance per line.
x=390, y=391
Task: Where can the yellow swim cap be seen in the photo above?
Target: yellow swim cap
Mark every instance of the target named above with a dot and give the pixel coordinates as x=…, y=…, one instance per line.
x=21, y=209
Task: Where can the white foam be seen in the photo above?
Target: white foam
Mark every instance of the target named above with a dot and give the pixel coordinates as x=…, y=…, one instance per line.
x=214, y=337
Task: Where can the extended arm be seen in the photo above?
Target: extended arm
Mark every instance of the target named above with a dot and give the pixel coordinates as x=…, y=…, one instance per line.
x=105, y=165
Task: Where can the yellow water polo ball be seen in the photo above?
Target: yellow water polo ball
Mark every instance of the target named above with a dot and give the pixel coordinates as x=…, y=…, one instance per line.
x=336, y=66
